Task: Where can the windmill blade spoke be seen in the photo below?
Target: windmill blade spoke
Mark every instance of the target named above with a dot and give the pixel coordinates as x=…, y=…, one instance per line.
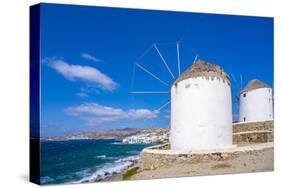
x=161, y=107
x=235, y=82
x=241, y=82
x=151, y=74
x=178, y=55
x=144, y=53
x=195, y=59
x=233, y=77
x=165, y=63
x=149, y=92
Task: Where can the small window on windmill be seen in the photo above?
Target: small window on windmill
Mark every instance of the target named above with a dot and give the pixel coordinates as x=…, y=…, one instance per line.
x=269, y=100
x=244, y=118
x=187, y=85
x=244, y=95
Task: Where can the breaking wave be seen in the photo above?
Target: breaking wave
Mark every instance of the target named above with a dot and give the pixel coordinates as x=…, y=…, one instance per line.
x=108, y=170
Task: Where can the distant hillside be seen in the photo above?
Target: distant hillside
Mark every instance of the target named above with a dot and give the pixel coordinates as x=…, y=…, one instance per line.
x=116, y=133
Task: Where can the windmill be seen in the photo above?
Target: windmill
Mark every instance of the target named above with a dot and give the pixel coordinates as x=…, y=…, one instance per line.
x=256, y=102
x=200, y=98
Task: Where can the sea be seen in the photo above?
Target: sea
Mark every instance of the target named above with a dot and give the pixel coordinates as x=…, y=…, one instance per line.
x=87, y=160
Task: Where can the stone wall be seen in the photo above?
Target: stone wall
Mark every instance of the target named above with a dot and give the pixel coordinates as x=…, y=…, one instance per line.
x=251, y=137
x=253, y=132
x=153, y=158
x=253, y=126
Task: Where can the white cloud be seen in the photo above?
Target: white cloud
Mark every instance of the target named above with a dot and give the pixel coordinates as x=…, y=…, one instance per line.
x=95, y=114
x=142, y=114
x=87, y=74
x=90, y=57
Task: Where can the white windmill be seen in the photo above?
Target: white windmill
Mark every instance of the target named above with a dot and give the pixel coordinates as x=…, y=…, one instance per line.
x=256, y=102
x=201, y=107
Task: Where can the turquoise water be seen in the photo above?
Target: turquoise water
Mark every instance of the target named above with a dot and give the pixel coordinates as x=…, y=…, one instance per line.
x=79, y=161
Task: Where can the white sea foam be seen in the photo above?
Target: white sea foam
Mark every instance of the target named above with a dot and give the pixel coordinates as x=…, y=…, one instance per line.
x=83, y=173
x=130, y=158
x=109, y=169
x=105, y=157
x=116, y=143
x=101, y=156
x=46, y=179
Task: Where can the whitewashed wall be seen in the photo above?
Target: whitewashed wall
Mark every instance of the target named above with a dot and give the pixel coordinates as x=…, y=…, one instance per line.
x=201, y=114
x=257, y=105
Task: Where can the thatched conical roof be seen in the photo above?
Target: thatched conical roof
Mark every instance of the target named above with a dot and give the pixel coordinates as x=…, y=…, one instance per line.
x=254, y=84
x=203, y=69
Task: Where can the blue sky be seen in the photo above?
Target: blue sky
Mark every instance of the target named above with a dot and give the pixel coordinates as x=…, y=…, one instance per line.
x=88, y=55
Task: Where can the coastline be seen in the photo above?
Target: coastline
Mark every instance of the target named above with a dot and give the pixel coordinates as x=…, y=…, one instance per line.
x=253, y=151
x=107, y=161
